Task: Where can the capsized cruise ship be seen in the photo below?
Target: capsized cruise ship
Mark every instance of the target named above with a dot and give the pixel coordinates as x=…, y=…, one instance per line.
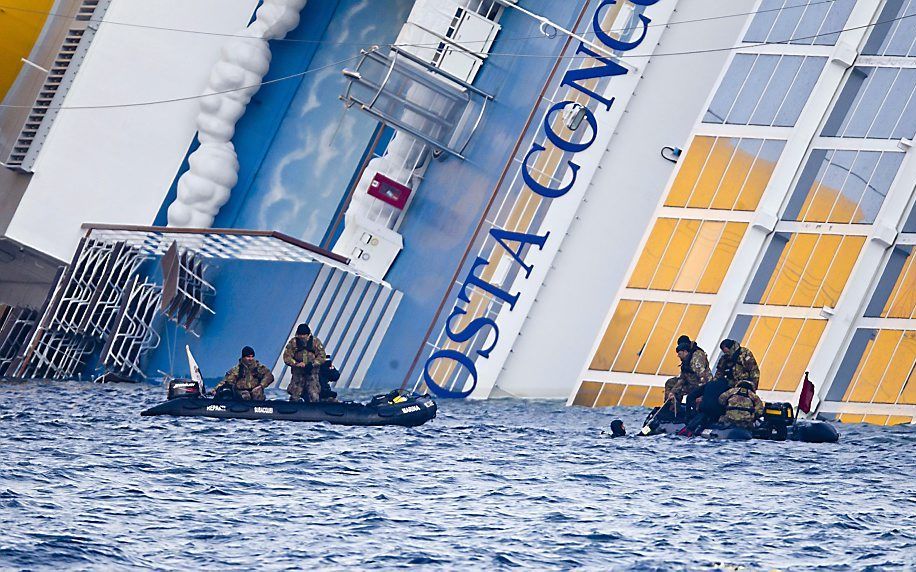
x=477, y=198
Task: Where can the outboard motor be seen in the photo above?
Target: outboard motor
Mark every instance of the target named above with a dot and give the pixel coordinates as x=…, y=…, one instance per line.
x=183, y=388
x=777, y=417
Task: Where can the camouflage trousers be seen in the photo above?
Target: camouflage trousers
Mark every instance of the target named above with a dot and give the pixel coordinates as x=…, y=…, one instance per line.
x=741, y=419
x=304, y=385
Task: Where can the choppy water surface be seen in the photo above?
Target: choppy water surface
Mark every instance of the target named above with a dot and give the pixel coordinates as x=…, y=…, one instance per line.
x=85, y=482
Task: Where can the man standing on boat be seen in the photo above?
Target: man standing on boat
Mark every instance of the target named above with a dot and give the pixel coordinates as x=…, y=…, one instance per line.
x=694, y=371
x=737, y=364
x=248, y=379
x=304, y=354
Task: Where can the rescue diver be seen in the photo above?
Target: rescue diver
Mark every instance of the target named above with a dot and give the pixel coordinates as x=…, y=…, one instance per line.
x=742, y=406
x=304, y=354
x=248, y=379
x=740, y=361
x=618, y=429
x=694, y=372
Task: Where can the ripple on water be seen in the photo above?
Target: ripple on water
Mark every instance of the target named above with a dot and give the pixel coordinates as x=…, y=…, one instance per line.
x=500, y=484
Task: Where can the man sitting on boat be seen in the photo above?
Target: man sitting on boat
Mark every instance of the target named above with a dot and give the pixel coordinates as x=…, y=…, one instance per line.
x=694, y=371
x=742, y=406
x=740, y=361
x=304, y=354
x=248, y=379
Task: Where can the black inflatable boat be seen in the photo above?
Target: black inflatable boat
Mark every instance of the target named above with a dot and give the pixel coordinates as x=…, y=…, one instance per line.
x=777, y=424
x=399, y=407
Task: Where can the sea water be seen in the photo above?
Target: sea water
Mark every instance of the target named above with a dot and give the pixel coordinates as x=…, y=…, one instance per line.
x=86, y=483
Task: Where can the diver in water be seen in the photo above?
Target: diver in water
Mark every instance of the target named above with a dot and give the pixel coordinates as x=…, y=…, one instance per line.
x=304, y=354
x=248, y=379
x=618, y=429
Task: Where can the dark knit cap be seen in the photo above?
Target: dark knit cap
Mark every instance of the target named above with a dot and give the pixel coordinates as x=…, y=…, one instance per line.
x=683, y=340
x=303, y=330
x=684, y=347
x=247, y=351
x=617, y=428
x=727, y=344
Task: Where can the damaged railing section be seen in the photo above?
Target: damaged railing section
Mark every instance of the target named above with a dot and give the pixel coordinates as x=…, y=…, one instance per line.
x=83, y=310
x=184, y=288
x=133, y=334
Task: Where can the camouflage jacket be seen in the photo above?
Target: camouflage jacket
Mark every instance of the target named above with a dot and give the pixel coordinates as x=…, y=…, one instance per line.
x=297, y=354
x=694, y=372
x=739, y=367
x=742, y=407
x=243, y=377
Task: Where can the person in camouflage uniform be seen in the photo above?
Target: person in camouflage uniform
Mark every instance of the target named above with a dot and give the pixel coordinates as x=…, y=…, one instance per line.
x=742, y=406
x=304, y=354
x=694, y=371
x=737, y=364
x=248, y=379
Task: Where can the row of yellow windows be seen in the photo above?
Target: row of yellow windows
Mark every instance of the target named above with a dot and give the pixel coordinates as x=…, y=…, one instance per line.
x=642, y=335
x=687, y=255
x=887, y=371
x=597, y=394
x=874, y=419
x=812, y=270
x=724, y=173
x=783, y=348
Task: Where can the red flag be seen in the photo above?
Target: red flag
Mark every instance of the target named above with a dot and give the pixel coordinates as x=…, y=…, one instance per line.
x=807, y=394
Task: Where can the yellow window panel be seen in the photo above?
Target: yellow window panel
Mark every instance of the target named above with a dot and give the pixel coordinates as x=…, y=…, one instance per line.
x=839, y=272
x=587, y=393
x=614, y=336
x=660, y=341
x=782, y=283
x=800, y=355
x=690, y=325
x=634, y=395
x=610, y=395
x=722, y=258
x=819, y=203
x=773, y=359
x=860, y=367
x=875, y=366
x=756, y=183
x=635, y=342
x=652, y=253
x=759, y=336
x=826, y=248
x=850, y=418
x=875, y=419
x=846, y=211
x=902, y=299
x=674, y=255
x=655, y=397
x=734, y=180
x=898, y=370
x=899, y=419
x=908, y=392
x=691, y=167
x=713, y=173
x=697, y=260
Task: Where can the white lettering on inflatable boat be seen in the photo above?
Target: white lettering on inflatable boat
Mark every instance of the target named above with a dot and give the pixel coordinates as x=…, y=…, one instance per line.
x=216, y=408
x=410, y=409
x=577, y=79
x=428, y=404
x=263, y=409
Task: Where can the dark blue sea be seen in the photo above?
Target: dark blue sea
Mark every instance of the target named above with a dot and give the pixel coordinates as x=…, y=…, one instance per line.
x=87, y=484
